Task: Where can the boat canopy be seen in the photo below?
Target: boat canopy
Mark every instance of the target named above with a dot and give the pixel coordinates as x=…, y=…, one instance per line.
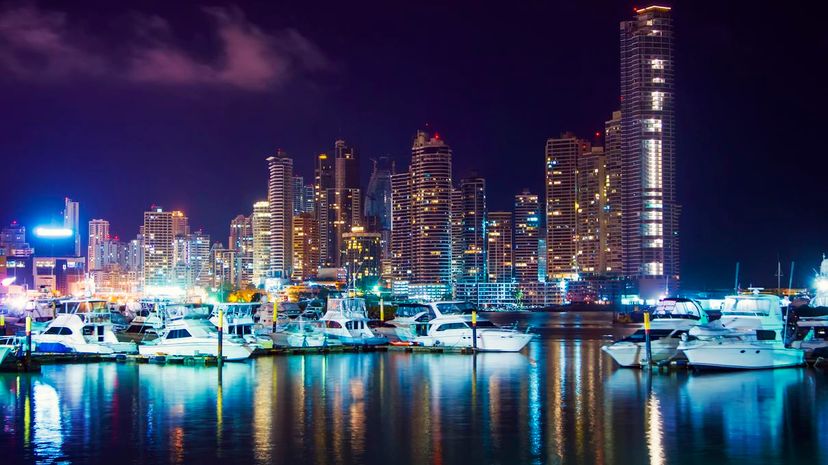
x=455, y=308
x=751, y=305
x=679, y=308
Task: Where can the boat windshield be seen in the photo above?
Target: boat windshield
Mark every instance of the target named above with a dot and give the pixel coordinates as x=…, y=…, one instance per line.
x=747, y=306
x=410, y=310
x=94, y=306
x=455, y=308
x=676, y=309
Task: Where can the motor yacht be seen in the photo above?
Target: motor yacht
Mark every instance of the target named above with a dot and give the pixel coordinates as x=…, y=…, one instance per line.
x=347, y=321
x=8, y=345
x=238, y=321
x=449, y=324
x=81, y=326
x=307, y=333
x=405, y=316
x=672, y=317
x=749, y=335
x=191, y=336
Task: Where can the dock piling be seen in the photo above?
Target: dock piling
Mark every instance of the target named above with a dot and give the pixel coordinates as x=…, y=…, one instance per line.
x=28, y=359
x=474, y=330
x=220, y=336
x=647, y=345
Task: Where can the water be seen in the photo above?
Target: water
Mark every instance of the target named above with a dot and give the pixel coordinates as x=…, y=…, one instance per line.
x=561, y=402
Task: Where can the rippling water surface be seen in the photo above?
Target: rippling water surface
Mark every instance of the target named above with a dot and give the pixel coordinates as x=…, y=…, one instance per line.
x=562, y=401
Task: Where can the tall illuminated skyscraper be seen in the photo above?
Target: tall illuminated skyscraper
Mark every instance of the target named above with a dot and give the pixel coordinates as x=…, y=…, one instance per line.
x=473, y=236
x=527, y=234
x=499, y=254
x=650, y=212
x=561, y=204
x=613, y=206
x=591, y=218
x=401, y=226
x=98, y=232
x=305, y=246
x=261, y=241
x=280, y=203
x=158, y=247
x=71, y=221
x=430, y=210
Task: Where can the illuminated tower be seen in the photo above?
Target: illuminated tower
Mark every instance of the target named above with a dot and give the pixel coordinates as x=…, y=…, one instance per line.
x=650, y=212
x=98, y=233
x=499, y=255
x=527, y=234
x=280, y=202
x=591, y=218
x=561, y=204
x=261, y=241
x=401, y=226
x=430, y=210
x=305, y=246
x=70, y=221
x=158, y=247
x=473, y=236
x=612, y=206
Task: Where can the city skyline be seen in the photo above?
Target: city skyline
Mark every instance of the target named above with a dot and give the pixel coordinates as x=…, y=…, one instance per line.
x=705, y=260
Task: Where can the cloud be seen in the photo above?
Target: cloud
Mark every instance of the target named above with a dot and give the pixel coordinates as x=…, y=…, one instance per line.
x=43, y=45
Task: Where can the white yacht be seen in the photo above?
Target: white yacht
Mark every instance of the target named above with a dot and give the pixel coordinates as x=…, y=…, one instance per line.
x=81, y=326
x=672, y=317
x=148, y=320
x=405, y=316
x=347, y=321
x=307, y=333
x=238, y=321
x=191, y=336
x=749, y=335
x=449, y=324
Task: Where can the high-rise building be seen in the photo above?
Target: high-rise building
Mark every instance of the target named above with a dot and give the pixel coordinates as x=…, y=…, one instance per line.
x=591, y=217
x=199, y=262
x=377, y=209
x=223, y=263
x=346, y=171
x=13, y=240
x=298, y=195
x=344, y=214
x=430, y=210
x=98, y=232
x=305, y=246
x=613, y=206
x=401, y=227
x=135, y=256
x=499, y=254
x=561, y=204
x=473, y=238
x=362, y=258
x=158, y=247
x=280, y=203
x=241, y=241
x=71, y=221
x=527, y=234
x=180, y=223
x=457, y=246
x=308, y=199
x=650, y=212
x=261, y=241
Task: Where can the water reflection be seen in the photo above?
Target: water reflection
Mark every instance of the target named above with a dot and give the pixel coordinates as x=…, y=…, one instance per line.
x=562, y=402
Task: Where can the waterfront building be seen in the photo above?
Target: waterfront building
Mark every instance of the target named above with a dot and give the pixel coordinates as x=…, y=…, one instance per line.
x=499, y=247
x=199, y=260
x=66, y=275
x=539, y=294
x=158, y=247
x=305, y=247
x=377, y=208
x=591, y=216
x=71, y=221
x=98, y=232
x=400, y=229
x=473, y=237
x=430, y=198
x=111, y=253
x=280, y=204
x=223, y=267
x=261, y=241
x=362, y=257
x=543, y=257
x=135, y=256
x=650, y=212
x=241, y=241
x=488, y=295
x=613, y=201
x=561, y=198
x=527, y=235
x=323, y=181
x=457, y=248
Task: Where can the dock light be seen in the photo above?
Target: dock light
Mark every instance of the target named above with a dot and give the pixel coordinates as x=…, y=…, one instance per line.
x=52, y=233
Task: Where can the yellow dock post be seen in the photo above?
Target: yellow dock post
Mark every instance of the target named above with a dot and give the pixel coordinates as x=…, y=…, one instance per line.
x=220, y=336
x=28, y=341
x=474, y=330
x=647, y=345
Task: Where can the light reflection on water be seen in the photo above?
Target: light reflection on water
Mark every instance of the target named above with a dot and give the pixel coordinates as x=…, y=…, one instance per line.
x=561, y=402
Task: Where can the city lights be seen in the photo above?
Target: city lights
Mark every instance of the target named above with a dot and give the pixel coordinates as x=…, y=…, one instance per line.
x=52, y=232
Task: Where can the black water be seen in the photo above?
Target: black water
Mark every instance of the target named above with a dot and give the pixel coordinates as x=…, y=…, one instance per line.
x=562, y=401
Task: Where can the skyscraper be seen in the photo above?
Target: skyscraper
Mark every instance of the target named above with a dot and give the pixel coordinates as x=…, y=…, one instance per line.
x=298, y=195
x=280, y=203
x=199, y=261
x=499, y=247
x=98, y=232
x=613, y=207
x=70, y=221
x=241, y=242
x=561, y=204
x=180, y=223
x=430, y=210
x=650, y=212
x=261, y=241
x=346, y=171
x=158, y=247
x=305, y=246
x=377, y=208
x=473, y=238
x=457, y=246
x=401, y=226
x=362, y=257
x=591, y=218
x=527, y=234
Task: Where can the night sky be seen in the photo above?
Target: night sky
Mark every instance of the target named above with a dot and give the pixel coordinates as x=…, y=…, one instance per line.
x=120, y=105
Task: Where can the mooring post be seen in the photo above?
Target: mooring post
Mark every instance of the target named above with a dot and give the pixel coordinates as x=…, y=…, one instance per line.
x=28, y=341
x=382, y=310
x=275, y=314
x=647, y=345
x=220, y=336
x=474, y=330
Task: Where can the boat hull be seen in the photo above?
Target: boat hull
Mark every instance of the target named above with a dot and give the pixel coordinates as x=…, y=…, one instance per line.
x=634, y=354
x=500, y=341
x=362, y=341
x=4, y=351
x=743, y=356
x=229, y=351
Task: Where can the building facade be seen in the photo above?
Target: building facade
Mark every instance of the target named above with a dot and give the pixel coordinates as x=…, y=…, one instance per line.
x=158, y=248
x=473, y=237
x=305, y=247
x=98, y=232
x=561, y=204
x=527, y=233
x=499, y=256
x=280, y=205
